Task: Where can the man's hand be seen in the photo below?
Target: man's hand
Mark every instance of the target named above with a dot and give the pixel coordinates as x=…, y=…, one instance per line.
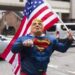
x=28, y=43
x=70, y=35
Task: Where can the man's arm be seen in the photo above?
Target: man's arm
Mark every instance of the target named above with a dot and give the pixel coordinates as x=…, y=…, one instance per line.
x=17, y=46
x=63, y=44
x=22, y=44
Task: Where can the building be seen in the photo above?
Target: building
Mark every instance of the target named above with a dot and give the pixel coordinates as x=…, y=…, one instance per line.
x=10, y=22
x=65, y=9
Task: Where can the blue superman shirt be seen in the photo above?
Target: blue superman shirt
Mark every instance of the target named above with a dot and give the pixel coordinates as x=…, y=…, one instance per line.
x=37, y=57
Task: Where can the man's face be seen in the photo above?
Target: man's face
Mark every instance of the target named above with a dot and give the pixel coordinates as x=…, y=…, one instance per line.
x=37, y=26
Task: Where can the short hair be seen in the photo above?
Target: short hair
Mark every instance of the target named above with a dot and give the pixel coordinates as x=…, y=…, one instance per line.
x=37, y=20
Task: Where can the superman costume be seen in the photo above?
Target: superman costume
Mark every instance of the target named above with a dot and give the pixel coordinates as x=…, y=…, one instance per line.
x=35, y=59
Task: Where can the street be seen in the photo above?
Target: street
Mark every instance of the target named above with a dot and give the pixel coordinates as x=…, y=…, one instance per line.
x=61, y=64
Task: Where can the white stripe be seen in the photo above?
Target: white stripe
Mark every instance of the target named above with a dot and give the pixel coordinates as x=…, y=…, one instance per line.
x=29, y=29
x=15, y=62
x=49, y=19
x=9, y=56
x=18, y=73
x=23, y=28
x=43, y=13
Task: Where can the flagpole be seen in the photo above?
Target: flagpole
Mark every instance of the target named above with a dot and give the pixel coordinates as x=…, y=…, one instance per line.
x=59, y=19
x=65, y=26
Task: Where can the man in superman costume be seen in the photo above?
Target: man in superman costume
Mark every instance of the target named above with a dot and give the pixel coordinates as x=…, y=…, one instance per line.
x=36, y=49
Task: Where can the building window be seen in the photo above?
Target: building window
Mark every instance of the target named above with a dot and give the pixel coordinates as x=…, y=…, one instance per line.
x=21, y=0
x=65, y=17
x=62, y=0
x=72, y=27
x=52, y=29
x=66, y=0
x=9, y=31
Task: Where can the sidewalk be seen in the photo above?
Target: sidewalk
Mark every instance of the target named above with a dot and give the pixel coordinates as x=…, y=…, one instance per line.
x=5, y=68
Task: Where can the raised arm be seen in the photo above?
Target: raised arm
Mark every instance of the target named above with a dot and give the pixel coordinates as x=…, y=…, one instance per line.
x=63, y=45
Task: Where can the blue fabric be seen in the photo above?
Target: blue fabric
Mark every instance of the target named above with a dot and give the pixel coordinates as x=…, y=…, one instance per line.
x=32, y=59
x=30, y=6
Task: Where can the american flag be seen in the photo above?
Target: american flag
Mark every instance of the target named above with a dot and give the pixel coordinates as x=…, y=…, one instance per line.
x=33, y=9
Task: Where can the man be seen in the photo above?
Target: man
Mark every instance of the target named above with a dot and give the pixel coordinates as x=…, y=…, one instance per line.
x=36, y=48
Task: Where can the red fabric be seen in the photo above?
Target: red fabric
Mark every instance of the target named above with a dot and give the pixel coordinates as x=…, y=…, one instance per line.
x=44, y=73
x=41, y=43
x=22, y=73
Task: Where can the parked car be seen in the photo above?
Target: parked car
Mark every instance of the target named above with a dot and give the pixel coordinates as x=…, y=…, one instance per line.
x=59, y=27
x=4, y=41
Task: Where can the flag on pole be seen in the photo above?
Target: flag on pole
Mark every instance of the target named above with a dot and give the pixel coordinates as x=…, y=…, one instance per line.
x=33, y=9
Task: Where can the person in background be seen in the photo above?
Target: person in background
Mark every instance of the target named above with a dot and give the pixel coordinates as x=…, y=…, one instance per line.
x=36, y=49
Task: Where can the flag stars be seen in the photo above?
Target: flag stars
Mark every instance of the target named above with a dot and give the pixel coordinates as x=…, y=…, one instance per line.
x=31, y=2
x=35, y=2
x=39, y=2
x=31, y=5
x=24, y=11
x=28, y=3
x=34, y=6
x=30, y=11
